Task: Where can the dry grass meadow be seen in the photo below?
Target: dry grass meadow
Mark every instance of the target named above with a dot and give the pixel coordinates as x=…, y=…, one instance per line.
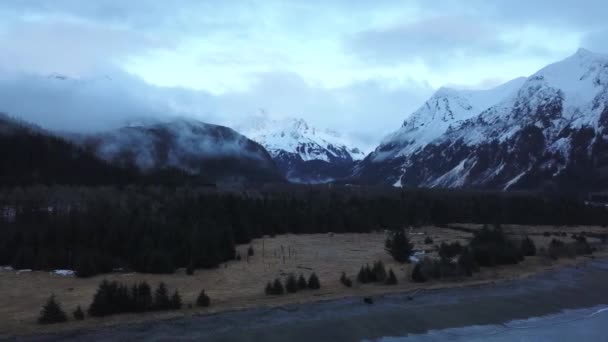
x=240, y=284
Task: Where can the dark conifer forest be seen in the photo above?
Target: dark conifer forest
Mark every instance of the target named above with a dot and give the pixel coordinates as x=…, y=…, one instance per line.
x=158, y=229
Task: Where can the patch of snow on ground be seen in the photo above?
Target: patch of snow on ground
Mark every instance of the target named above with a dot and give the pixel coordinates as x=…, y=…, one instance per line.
x=65, y=273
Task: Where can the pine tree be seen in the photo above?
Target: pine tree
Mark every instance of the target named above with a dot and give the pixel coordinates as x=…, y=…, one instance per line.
x=291, y=285
x=392, y=279
x=52, y=312
x=204, y=301
x=302, y=284
x=313, y=282
x=379, y=272
x=363, y=276
x=144, y=297
x=277, y=287
x=269, y=290
x=528, y=247
x=161, y=297
x=399, y=246
x=102, y=305
x=176, y=301
x=190, y=269
x=78, y=314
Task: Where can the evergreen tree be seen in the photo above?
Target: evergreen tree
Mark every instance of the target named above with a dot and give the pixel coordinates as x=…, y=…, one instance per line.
x=291, y=285
x=277, y=287
x=363, y=275
x=528, y=247
x=204, y=301
x=302, y=283
x=52, y=312
x=391, y=279
x=144, y=297
x=176, y=301
x=102, y=300
x=190, y=269
x=379, y=272
x=313, y=282
x=161, y=298
x=398, y=246
x=78, y=314
x=269, y=290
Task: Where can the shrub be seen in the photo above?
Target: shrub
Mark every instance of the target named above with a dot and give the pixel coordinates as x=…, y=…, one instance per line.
x=558, y=249
x=203, y=299
x=449, y=251
x=291, y=285
x=302, y=283
x=428, y=240
x=391, y=279
x=313, y=282
x=467, y=262
x=491, y=247
x=528, y=247
x=345, y=280
x=250, y=251
x=52, y=313
x=417, y=275
x=398, y=246
x=78, y=314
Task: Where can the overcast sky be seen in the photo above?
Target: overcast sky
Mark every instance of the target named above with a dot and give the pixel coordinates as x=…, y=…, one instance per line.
x=356, y=65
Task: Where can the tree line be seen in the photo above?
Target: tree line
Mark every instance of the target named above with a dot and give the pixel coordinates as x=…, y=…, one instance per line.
x=158, y=229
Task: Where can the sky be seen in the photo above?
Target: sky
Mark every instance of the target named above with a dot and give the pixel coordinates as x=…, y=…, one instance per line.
x=357, y=66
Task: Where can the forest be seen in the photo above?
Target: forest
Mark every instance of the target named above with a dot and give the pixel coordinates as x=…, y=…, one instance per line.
x=157, y=229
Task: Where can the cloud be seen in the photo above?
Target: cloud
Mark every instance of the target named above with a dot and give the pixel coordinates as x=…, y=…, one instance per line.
x=69, y=47
x=365, y=110
x=432, y=40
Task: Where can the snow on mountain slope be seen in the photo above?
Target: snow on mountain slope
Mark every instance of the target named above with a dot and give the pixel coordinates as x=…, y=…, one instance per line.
x=304, y=153
x=296, y=136
x=546, y=130
x=444, y=110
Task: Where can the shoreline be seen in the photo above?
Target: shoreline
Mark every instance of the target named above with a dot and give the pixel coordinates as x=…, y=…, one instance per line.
x=381, y=294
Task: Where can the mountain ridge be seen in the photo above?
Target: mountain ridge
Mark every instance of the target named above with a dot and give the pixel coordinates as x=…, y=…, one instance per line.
x=543, y=134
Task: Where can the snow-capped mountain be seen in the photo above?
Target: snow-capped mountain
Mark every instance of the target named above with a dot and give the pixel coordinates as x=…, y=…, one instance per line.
x=304, y=153
x=214, y=152
x=548, y=131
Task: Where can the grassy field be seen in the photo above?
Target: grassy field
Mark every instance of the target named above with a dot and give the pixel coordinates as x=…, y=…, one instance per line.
x=240, y=284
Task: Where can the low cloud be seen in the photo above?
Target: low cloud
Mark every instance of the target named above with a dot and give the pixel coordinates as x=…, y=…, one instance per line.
x=365, y=111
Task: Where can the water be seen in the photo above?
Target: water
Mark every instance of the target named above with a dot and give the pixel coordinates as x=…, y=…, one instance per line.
x=589, y=324
x=570, y=304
